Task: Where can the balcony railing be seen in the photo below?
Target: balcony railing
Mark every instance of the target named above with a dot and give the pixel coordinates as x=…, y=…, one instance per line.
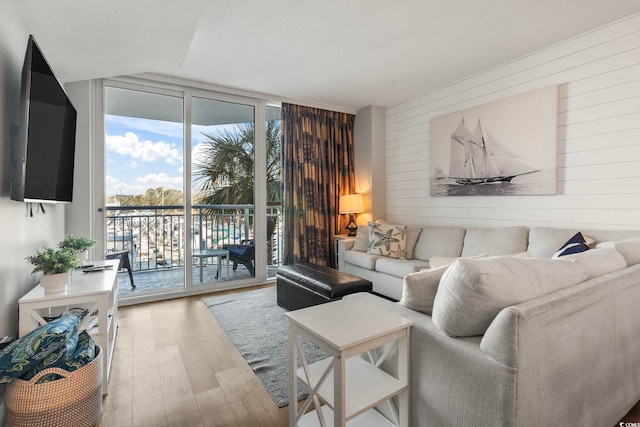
x=155, y=235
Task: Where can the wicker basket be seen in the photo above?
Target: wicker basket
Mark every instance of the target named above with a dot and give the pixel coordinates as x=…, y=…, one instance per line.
x=74, y=400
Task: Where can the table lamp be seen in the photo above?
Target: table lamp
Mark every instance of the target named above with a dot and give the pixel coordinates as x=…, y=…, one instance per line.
x=351, y=204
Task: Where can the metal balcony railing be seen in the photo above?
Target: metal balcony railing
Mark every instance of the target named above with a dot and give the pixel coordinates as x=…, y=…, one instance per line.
x=155, y=235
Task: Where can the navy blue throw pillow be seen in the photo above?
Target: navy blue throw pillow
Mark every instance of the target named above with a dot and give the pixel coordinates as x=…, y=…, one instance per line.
x=574, y=245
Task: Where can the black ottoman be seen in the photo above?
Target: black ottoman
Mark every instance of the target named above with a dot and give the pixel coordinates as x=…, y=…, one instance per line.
x=304, y=285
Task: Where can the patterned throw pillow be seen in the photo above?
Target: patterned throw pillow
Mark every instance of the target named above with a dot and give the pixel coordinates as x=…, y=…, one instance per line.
x=574, y=245
x=387, y=240
x=24, y=354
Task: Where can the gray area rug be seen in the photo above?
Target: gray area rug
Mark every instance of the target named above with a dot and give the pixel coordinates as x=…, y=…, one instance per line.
x=258, y=328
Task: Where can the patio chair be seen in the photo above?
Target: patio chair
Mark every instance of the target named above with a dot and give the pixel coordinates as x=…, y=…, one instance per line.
x=243, y=253
x=125, y=263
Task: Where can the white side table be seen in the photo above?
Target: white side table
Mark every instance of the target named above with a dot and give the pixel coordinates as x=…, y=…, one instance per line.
x=350, y=386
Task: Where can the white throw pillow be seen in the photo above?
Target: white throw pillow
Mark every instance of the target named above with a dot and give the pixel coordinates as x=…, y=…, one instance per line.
x=362, y=239
x=413, y=234
x=629, y=249
x=472, y=292
x=599, y=261
x=419, y=289
x=387, y=239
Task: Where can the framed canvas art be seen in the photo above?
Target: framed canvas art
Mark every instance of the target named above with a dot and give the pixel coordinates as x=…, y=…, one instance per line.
x=505, y=147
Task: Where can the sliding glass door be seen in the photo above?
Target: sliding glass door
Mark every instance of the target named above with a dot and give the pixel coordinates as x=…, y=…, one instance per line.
x=223, y=178
x=144, y=199
x=191, y=216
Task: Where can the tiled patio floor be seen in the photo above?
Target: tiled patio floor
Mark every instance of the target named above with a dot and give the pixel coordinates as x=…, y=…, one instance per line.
x=173, y=278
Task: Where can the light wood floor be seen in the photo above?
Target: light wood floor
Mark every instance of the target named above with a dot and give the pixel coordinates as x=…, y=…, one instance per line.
x=173, y=366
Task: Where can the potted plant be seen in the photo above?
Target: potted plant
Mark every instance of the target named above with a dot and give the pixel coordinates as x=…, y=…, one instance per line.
x=55, y=264
x=79, y=245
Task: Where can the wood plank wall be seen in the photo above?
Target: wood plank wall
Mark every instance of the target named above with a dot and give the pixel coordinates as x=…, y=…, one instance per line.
x=598, y=75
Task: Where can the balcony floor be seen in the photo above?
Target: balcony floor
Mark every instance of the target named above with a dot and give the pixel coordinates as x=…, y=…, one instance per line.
x=171, y=278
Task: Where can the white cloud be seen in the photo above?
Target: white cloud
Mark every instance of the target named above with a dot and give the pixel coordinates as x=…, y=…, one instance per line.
x=130, y=144
x=115, y=186
x=154, y=180
x=197, y=152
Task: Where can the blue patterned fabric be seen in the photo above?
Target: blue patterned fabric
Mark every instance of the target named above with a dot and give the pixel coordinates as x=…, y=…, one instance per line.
x=574, y=245
x=83, y=353
x=57, y=358
x=19, y=358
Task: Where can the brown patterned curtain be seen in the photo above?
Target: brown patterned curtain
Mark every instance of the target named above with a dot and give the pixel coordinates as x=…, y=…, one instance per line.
x=317, y=158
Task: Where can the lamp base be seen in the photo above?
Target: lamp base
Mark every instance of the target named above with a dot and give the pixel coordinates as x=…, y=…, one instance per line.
x=352, y=227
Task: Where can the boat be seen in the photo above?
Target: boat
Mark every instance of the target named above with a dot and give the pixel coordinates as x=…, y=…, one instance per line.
x=473, y=161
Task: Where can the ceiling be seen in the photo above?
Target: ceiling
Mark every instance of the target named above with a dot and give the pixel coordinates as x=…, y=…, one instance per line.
x=342, y=53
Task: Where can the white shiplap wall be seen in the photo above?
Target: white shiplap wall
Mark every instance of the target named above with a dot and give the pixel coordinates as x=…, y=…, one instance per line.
x=598, y=74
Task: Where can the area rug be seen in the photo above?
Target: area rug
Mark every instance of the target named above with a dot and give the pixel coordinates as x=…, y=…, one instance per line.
x=258, y=328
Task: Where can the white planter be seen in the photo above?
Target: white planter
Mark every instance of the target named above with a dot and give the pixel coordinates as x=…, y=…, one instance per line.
x=82, y=257
x=55, y=283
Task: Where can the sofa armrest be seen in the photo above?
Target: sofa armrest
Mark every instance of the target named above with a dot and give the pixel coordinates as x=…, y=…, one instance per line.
x=557, y=344
x=344, y=245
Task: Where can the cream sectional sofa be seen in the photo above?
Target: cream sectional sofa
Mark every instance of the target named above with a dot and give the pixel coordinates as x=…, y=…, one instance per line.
x=523, y=341
x=424, y=243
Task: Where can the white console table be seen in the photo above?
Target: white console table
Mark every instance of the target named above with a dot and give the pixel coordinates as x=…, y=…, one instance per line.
x=96, y=292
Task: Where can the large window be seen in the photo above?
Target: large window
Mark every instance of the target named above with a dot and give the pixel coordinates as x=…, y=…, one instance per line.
x=201, y=215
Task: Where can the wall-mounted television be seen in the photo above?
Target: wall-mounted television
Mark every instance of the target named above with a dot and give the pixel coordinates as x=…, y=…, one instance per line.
x=45, y=144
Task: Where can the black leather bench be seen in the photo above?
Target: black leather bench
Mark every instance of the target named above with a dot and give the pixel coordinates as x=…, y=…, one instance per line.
x=306, y=284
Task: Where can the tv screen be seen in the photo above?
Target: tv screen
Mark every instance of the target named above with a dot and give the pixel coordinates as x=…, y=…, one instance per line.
x=47, y=134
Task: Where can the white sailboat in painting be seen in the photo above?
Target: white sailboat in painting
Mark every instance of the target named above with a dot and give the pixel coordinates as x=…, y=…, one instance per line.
x=473, y=161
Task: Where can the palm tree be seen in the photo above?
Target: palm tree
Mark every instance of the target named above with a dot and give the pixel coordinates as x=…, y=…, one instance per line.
x=225, y=174
x=225, y=171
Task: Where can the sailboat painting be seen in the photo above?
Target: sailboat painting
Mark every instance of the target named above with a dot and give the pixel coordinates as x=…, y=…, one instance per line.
x=507, y=147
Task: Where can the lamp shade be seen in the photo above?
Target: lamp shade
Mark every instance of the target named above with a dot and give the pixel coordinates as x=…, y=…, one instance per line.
x=351, y=203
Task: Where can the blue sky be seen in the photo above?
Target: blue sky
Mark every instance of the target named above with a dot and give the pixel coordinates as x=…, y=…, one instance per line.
x=143, y=153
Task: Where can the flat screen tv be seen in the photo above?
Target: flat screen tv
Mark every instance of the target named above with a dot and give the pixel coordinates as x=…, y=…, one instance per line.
x=46, y=136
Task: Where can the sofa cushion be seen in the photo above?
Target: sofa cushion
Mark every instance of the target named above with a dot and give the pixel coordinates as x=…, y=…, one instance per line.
x=574, y=245
x=598, y=262
x=361, y=259
x=545, y=241
x=413, y=234
x=419, y=289
x=399, y=267
x=629, y=249
x=441, y=261
x=472, y=292
x=495, y=241
x=439, y=241
x=387, y=239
